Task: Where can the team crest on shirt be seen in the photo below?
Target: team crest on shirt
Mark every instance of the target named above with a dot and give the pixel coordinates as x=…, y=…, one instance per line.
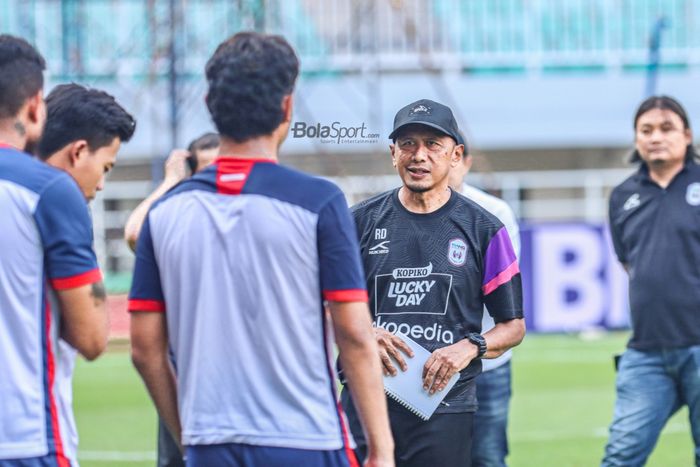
x=692, y=194
x=457, y=252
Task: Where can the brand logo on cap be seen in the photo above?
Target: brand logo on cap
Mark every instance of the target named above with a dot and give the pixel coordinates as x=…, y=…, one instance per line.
x=420, y=109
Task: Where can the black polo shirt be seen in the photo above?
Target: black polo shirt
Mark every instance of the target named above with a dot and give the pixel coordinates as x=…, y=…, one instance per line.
x=656, y=232
x=430, y=275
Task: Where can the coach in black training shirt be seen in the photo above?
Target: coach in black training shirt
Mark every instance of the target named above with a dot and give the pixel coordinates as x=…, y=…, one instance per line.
x=655, y=227
x=432, y=259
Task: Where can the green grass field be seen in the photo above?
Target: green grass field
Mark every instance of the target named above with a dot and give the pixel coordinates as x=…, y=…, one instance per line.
x=562, y=404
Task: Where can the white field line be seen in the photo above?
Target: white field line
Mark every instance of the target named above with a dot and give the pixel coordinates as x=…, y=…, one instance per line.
x=593, y=360
x=537, y=436
x=527, y=437
x=121, y=456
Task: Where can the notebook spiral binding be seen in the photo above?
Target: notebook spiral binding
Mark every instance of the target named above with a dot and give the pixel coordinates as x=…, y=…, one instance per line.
x=400, y=400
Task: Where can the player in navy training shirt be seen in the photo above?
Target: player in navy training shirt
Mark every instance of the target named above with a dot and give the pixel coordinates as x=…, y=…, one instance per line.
x=245, y=310
x=51, y=292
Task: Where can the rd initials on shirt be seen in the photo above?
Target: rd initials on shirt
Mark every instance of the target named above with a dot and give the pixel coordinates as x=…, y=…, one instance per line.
x=410, y=293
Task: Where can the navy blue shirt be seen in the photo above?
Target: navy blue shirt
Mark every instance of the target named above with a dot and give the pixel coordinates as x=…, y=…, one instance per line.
x=656, y=233
x=429, y=275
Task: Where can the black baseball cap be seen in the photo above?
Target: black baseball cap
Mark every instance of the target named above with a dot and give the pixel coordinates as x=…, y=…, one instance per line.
x=429, y=113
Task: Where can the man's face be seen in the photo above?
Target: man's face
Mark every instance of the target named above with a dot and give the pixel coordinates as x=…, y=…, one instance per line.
x=91, y=167
x=206, y=157
x=424, y=157
x=660, y=137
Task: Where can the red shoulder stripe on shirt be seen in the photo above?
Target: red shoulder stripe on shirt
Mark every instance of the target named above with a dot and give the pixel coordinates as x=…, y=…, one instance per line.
x=350, y=295
x=89, y=277
x=146, y=305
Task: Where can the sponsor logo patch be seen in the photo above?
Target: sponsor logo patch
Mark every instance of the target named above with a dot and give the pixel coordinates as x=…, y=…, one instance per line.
x=412, y=290
x=434, y=332
x=380, y=248
x=235, y=177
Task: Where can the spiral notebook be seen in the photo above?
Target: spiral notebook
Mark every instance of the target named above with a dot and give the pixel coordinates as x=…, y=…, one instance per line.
x=406, y=387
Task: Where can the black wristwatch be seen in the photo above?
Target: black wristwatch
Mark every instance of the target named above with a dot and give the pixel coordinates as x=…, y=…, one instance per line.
x=479, y=341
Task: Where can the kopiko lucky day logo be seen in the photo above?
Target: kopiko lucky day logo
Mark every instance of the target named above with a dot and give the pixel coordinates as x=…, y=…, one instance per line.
x=412, y=290
x=334, y=133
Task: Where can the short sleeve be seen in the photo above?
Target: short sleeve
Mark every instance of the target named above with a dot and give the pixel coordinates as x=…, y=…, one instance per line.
x=615, y=233
x=342, y=276
x=502, y=286
x=146, y=291
x=65, y=227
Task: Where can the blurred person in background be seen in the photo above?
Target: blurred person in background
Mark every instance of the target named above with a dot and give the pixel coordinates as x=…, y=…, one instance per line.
x=198, y=155
x=493, y=386
x=243, y=311
x=51, y=288
x=654, y=225
x=470, y=262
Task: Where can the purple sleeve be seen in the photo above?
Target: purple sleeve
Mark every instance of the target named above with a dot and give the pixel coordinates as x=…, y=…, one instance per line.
x=501, y=284
x=500, y=262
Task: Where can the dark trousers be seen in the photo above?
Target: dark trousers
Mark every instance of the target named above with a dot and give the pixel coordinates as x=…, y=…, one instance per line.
x=168, y=453
x=444, y=440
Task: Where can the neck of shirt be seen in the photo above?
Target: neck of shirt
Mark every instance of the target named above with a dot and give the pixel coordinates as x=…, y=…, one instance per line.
x=424, y=203
x=664, y=175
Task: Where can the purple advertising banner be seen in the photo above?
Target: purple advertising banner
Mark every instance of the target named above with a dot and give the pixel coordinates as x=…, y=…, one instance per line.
x=572, y=280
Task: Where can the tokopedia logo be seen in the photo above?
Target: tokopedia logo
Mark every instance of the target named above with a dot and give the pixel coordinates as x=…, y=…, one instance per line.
x=416, y=331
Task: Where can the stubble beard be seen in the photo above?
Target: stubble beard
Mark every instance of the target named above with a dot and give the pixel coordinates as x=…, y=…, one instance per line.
x=417, y=189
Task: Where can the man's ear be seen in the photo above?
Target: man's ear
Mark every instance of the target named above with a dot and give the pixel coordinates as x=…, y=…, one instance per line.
x=287, y=106
x=36, y=108
x=456, y=156
x=393, y=157
x=77, y=151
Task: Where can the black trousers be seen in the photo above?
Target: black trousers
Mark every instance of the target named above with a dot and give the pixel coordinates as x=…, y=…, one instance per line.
x=445, y=440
